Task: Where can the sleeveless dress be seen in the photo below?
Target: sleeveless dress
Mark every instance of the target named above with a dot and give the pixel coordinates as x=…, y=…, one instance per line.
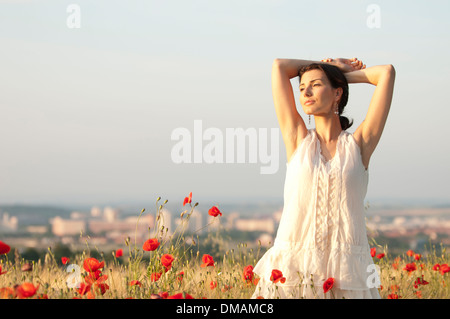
x=322, y=230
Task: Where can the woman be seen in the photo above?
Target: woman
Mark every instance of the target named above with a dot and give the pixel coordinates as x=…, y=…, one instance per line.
x=322, y=231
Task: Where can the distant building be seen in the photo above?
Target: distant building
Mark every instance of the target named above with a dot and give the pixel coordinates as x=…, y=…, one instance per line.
x=110, y=214
x=97, y=226
x=231, y=219
x=96, y=212
x=194, y=223
x=8, y=224
x=77, y=215
x=67, y=227
x=37, y=229
x=252, y=224
x=165, y=219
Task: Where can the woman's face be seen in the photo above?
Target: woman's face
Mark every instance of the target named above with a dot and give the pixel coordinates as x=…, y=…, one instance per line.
x=317, y=96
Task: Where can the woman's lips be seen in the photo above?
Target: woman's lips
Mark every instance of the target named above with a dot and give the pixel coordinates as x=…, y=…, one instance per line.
x=309, y=102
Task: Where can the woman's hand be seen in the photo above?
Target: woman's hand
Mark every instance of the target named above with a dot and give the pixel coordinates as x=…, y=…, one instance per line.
x=346, y=65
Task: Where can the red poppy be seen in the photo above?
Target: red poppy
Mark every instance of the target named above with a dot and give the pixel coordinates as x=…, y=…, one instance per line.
x=417, y=256
x=4, y=248
x=155, y=276
x=119, y=253
x=410, y=253
x=395, y=288
x=226, y=288
x=84, y=288
x=379, y=256
x=420, y=281
x=188, y=200
x=373, y=252
x=396, y=262
x=277, y=276
x=393, y=296
x=328, y=284
x=2, y=272
x=436, y=267
x=166, y=261
x=150, y=244
x=248, y=274
x=135, y=283
x=101, y=288
x=95, y=284
x=410, y=267
x=95, y=277
x=27, y=267
x=444, y=268
x=180, y=276
x=207, y=261
x=164, y=294
x=65, y=260
x=26, y=290
x=214, y=211
x=213, y=284
x=7, y=293
x=180, y=296
x=92, y=264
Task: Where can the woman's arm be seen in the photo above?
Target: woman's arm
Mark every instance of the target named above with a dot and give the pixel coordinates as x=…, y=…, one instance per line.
x=383, y=77
x=290, y=121
x=291, y=66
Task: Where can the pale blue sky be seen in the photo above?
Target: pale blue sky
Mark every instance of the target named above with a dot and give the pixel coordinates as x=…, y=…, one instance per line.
x=87, y=114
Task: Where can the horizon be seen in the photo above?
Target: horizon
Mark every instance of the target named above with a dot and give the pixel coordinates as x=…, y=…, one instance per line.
x=379, y=203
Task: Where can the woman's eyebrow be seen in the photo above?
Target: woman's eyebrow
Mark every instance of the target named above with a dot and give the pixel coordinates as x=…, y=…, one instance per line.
x=310, y=81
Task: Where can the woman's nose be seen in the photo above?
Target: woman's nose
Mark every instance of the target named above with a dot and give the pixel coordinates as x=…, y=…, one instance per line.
x=307, y=92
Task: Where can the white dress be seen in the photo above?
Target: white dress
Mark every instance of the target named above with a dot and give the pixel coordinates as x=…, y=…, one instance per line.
x=322, y=231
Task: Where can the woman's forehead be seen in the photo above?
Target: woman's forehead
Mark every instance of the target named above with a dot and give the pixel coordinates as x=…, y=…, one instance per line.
x=312, y=75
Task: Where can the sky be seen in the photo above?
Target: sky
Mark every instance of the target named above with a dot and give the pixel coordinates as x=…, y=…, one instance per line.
x=92, y=93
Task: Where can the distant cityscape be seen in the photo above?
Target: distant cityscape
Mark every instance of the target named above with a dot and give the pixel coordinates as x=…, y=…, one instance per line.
x=109, y=226
x=398, y=228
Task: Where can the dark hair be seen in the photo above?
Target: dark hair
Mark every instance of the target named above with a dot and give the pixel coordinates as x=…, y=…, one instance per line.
x=337, y=80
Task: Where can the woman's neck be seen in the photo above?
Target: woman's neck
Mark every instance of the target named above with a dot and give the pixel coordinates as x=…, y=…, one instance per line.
x=328, y=129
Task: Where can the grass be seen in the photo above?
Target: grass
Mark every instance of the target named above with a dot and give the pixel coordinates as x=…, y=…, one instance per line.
x=187, y=275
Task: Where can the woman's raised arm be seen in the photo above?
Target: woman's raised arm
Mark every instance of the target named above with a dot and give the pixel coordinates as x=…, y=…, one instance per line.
x=370, y=130
x=290, y=121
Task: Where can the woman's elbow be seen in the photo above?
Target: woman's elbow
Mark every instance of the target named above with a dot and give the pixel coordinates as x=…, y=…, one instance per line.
x=277, y=63
x=390, y=70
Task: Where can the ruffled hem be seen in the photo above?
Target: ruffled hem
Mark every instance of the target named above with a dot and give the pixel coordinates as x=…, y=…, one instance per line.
x=351, y=266
x=269, y=290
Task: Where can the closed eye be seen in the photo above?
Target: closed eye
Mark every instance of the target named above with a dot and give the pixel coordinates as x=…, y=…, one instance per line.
x=316, y=84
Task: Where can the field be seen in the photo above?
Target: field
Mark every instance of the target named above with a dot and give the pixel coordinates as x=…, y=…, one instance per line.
x=173, y=267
